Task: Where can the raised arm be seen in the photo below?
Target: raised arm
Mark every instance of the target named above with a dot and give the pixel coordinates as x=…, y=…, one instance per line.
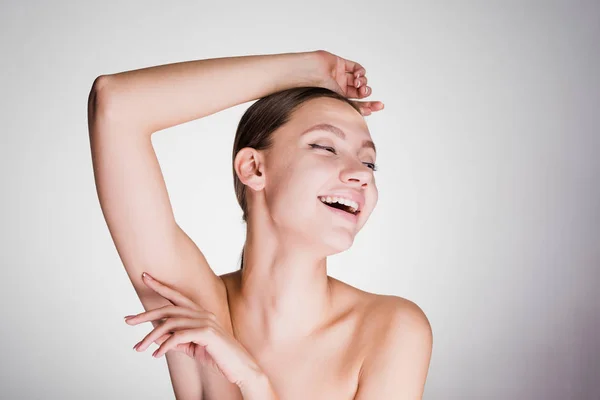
x=159, y=97
x=124, y=110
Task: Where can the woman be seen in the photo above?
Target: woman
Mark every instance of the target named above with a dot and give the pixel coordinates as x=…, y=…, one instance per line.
x=279, y=327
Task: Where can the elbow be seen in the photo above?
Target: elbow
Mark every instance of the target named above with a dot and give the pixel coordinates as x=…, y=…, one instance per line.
x=100, y=98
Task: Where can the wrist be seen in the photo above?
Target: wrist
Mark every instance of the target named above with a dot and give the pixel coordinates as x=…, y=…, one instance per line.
x=259, y=388
x=303, y=69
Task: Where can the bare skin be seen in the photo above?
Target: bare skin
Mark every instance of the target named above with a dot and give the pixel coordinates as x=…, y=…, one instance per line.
x=327, y=363
x=312, y=336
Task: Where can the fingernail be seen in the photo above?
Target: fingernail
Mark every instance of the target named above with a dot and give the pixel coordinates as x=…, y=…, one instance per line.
x=146, y=275
x=357, y=83
x=136, y=345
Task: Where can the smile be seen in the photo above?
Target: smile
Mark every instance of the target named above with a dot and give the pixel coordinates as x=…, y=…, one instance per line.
x=342, y=211
x=341, y=203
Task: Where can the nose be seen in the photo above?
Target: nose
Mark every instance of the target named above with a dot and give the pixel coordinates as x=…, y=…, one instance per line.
x=355, y=172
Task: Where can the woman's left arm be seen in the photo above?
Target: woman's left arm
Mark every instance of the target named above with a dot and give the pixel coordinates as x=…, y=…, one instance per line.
x=190, y=329
x=397, y=368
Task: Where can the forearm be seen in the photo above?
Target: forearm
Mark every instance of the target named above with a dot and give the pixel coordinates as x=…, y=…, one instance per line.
x=159, y=97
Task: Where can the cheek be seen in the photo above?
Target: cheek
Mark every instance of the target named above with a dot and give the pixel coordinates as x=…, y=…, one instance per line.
x=294, y=193
x=309, y=172
x=372, y=197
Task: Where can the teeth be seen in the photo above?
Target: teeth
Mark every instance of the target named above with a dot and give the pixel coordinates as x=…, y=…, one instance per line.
x=334, y=199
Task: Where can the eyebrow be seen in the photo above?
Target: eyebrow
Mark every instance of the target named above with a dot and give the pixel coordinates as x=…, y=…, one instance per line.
x=338, y=132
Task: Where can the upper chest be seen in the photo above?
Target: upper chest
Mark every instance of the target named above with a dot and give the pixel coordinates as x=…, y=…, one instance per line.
x=326, y=367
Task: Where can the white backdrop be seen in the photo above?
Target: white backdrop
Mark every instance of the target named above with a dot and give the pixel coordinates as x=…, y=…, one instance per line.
x=489, y=180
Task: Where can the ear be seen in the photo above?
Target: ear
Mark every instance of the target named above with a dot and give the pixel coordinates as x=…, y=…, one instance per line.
x=249, y=167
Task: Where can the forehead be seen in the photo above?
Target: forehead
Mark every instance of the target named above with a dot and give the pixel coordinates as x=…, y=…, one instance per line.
x=326, y=114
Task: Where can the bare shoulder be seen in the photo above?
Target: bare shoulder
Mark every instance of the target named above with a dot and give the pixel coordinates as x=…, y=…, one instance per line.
x=385, y=311
x=387, y=321
x=404, y=328
x=396, y=340
x=399, y=313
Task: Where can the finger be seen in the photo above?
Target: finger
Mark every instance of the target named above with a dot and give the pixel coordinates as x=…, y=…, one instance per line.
x=367, y=107
x=171, y=326
x=169, y=293
x=183, y=347
x=350, y=79
x=364, y=91
x=158, y=341
x=164, y=312
x=352, y=92
x=360, y=71
x=353, y=81
x=162, y=339
x=374, y=105
x=354, y=68
x=377, y=106
x=202, y=336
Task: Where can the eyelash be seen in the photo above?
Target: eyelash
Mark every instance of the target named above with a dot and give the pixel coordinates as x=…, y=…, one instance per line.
x=332, y=150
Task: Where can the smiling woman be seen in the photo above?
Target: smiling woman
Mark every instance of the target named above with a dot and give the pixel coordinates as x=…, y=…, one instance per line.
x=266, y=116
x=303, y=165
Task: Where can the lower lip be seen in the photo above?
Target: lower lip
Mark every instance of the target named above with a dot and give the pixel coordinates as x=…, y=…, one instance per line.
x=350, y=217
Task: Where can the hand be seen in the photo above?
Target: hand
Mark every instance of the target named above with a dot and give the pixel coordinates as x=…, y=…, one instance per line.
x=190, y=329
x=347, y=78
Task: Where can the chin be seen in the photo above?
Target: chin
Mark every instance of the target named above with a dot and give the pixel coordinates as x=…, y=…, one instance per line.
x=337, y=242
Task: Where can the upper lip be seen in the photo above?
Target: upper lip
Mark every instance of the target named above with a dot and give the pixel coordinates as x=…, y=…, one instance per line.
x=354, y=196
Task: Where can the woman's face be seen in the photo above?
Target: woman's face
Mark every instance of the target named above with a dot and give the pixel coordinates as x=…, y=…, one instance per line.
x=324, y=150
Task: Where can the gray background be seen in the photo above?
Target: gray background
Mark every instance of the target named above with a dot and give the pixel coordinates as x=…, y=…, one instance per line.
x=488, y=216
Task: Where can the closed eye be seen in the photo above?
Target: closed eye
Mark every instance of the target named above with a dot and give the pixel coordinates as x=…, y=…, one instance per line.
x=332, y=150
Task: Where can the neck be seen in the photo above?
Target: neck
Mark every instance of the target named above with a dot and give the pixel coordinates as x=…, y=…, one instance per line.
x=284, y=293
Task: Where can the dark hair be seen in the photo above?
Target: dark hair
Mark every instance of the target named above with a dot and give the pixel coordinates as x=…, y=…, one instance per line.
x=265, y=116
